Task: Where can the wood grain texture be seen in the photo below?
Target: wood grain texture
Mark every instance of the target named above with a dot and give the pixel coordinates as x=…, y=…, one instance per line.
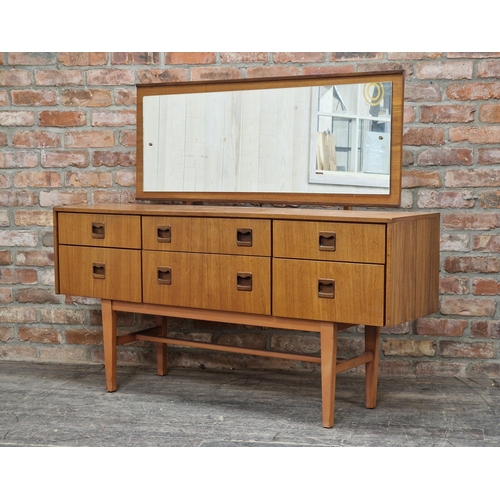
x=354, y=242
x=328, y=339
x=207, y=235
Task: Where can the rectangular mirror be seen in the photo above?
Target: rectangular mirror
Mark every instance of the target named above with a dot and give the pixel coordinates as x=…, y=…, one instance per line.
x=326, y=140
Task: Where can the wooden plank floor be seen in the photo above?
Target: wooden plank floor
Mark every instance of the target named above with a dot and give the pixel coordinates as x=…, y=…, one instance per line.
x=66, y=405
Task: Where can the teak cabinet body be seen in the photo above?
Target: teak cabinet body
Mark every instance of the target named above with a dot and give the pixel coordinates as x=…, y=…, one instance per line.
x=301, y=269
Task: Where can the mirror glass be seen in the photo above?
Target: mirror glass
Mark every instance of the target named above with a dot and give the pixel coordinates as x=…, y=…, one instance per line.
x=332, y=138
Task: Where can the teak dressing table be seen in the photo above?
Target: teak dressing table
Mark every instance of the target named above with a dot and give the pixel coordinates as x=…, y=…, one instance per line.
x=304, y=269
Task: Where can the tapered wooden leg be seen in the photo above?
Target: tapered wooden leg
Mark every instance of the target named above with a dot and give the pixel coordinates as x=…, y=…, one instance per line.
x=109, y=341
x=329, y=334
x=372, y=344
x=161, y=349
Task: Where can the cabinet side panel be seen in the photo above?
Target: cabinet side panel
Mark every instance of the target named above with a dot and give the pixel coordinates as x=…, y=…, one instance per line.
x=56, y=254
x=412, y=278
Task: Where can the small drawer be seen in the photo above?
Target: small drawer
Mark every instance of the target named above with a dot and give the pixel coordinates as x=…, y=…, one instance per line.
x=329, y=291
x=208, y=281
x=99, y=230
x=335, y=241
x=207, y=235
x=105, y=273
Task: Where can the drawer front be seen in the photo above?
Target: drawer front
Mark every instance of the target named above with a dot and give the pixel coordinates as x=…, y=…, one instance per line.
x=105, y=273
x=343, y=241
x=98, y=230
x=208, y=281
x=329, y=291
x=207, y=235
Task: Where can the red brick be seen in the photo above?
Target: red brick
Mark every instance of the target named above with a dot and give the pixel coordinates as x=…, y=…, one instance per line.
x=18, y=352
x=483, y=370
x=89, y=179
x=83, y=337
x=18, y=314
x=19, y=238
x=127, y=138
x=488, y=69
x=3, y=139
x=486, y=329
x=190, y=58
x=163, y=75
x=17, y=118
x=419, y=178
x=125, y=97
x=406, y=347
x=472, y=55
x=15, y=78
x=486, y=287
x=55, y=197
x=110, y=77
x=5, y=257
x=113, y=118
x=18, y=159
x=467, y=307
x=17, y=198
x=452, y=349
x=62, y=159
x=487, y=243
x=215, y=73
x=445, y=199
x=244, y=57
x=472, y=91
x=94, y=139
x=471, y=264
x=247, y=340
x=446, y=114
x=439, y=369
x=33, y=218
x=62, y=118
x=423, y=136
x=83, y=58
x=354, y=56
x=86, y=98
x=409, y=114
x=34, y=97
x=18, y=276
x=62, y=316
x=113, y=159
x=440, y=327
x=298, y=57
x=125, y=178
x=478, y=222
x=271, y=71
x=488, y=156
x=4, y=183
x=475, y=135
x=36, y=139
x=287, y=342
x=489, y=113
x=452, y=242
x=135, y=58
x=328, y=70
x=60, y=355
x=422, y=92
x=58, y=78
x=449, y=70
x=489, y=199
x=3, y=98
x=37, y=179
x=37, y=258
x=39, y=335
x=472, y=178
x=453, y=285
x=413, y=55
x=113, y=196
x=32, y=58
x=6, y=333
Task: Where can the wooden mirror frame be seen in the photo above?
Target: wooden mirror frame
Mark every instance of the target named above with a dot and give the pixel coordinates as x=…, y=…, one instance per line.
x=392, y=199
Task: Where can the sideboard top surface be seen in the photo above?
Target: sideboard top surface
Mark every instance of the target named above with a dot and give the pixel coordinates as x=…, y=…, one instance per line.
x=380, y=216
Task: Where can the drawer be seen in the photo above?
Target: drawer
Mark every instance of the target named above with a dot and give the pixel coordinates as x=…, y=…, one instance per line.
x=105, y=273
x=329, y=291
x=208, y=281
x=99, y=230
x=207, y=235
x=336, y=241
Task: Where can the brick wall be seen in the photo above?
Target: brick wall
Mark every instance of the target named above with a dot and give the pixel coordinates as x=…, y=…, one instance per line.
x=67, y=135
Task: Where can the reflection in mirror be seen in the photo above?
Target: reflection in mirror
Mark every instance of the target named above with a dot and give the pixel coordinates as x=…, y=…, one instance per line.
x=308, y=135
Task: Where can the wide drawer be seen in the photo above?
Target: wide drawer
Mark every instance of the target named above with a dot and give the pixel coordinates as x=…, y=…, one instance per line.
x=342, y=241
x=208, y=281
x=207, y=235
x=105, y=273
x=99, y=230
x=329, y=291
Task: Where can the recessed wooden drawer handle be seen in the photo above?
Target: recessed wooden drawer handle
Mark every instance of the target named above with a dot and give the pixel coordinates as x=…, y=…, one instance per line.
x=164, y=276
x=244, y=237
x=98, y=230
x=98, y=270
x=327, y=241
x=244, y=282
x=326, y=289
x=164, y=234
